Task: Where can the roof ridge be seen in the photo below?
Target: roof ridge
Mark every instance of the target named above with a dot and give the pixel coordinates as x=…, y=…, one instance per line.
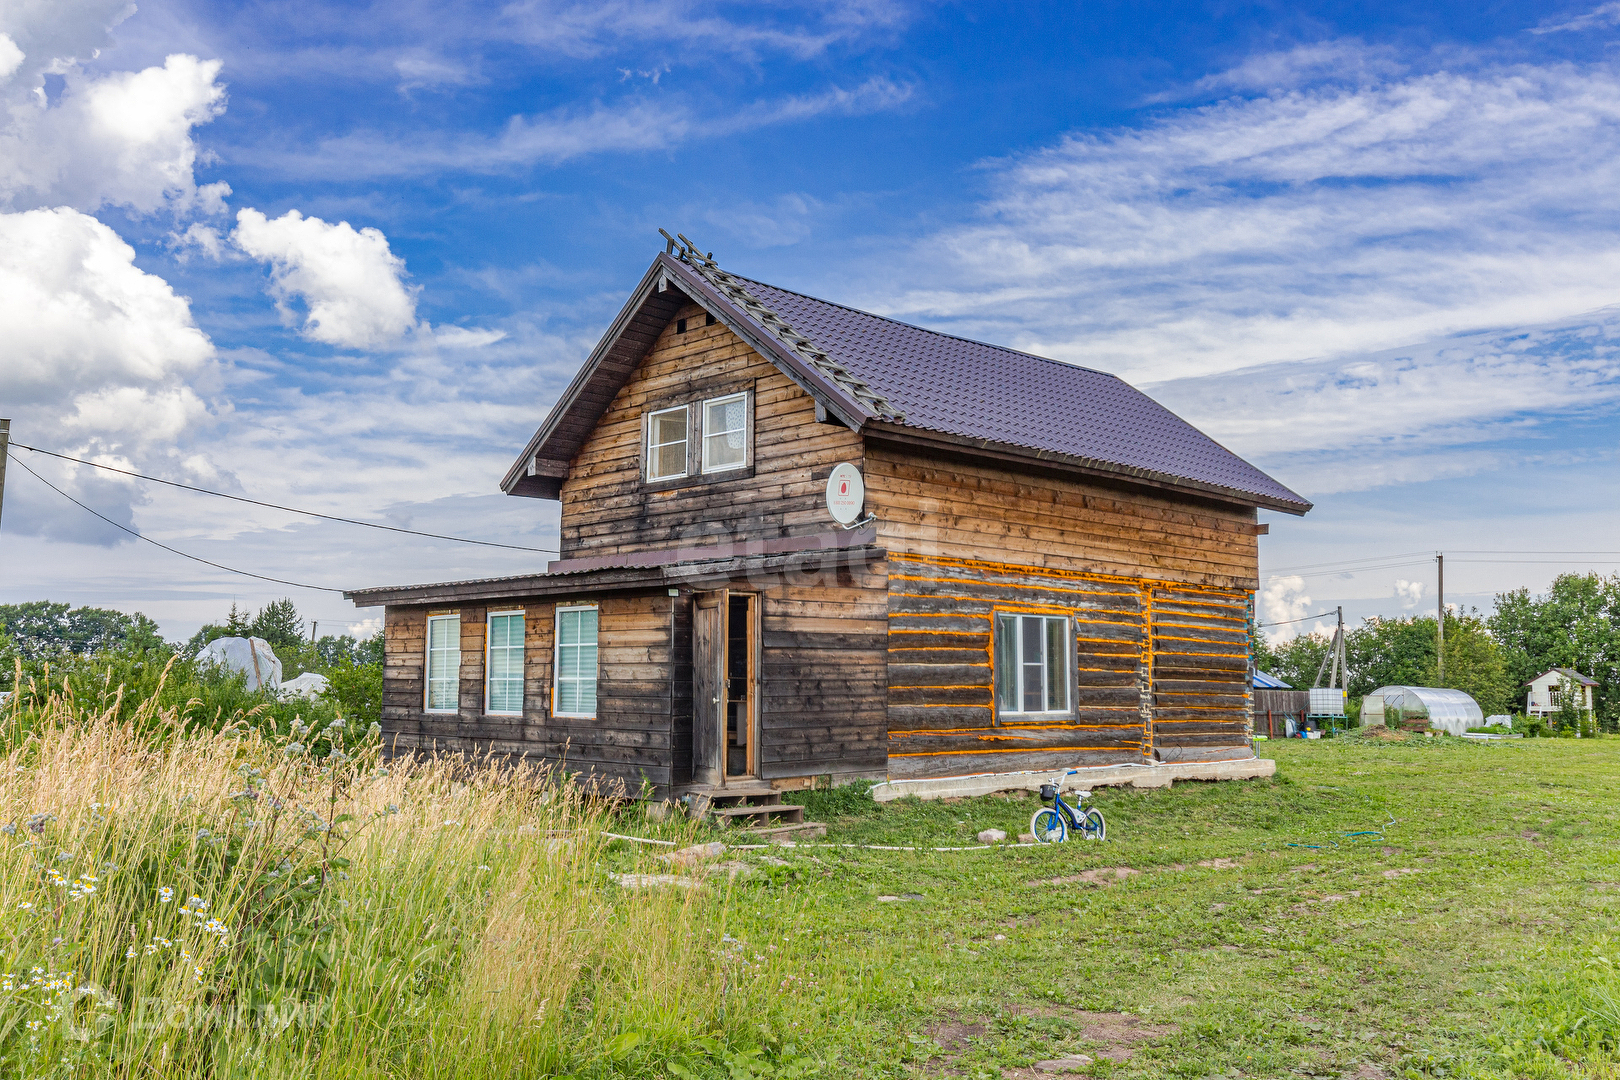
x=931, y=330
x=733, y=289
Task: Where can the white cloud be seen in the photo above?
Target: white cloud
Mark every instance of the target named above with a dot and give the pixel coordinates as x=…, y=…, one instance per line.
x=1408, y=592
x=11, y=57
x=349, y=281
x=569, y=133
x=1314, y=222
x=693, y=26
x=120, y=139
x=101, y=357
x=1283, y=601
x=1603, y=15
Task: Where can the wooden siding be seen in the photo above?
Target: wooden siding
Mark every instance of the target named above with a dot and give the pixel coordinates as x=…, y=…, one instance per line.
x=941, y=707
x=821, y=686
x=1202, y=695
x=608, y=509
x=951, y=506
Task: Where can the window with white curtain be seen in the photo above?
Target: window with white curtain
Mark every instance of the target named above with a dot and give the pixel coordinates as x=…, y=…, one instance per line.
x=725, y=433
x=443, y=662
x=504, y=664
x=666, y=443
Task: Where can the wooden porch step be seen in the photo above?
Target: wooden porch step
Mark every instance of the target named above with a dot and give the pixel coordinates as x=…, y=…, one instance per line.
x=776, y=811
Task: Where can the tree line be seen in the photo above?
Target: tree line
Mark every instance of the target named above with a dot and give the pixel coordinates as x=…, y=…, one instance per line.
x=1574, y=624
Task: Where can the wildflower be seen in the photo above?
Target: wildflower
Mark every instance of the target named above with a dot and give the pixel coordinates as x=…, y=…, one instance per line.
x=294, y=749
x=64, y=856
x=36, y=823
x=482, y=867
x=25, y=905
x=214, y=926
x=131, y=953
x=35, y=1025
x=336, y=725
x=374, y=730
x=203, y=834
x=165, y=894
x=9, y=828
x=199, y=974
x=391, y=809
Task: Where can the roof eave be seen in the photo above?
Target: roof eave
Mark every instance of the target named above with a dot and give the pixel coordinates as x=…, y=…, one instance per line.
x=1089, y=466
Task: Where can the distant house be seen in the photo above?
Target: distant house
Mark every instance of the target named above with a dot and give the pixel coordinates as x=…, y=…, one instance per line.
x=1546, y=691
x=1043, y=568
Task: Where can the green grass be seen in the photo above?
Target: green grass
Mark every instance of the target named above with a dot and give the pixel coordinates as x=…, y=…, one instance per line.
x=1476, y=937
x=440, y=920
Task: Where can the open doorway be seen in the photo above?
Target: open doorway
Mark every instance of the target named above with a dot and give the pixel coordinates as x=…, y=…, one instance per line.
x=725, y=680
x=741, y=751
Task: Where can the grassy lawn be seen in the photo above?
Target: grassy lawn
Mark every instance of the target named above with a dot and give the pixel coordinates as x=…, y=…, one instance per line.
x=1476, y=937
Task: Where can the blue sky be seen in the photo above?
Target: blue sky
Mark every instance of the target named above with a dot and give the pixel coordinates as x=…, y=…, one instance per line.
x=1374, y=248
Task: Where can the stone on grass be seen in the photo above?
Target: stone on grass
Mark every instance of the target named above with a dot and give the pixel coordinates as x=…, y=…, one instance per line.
x=691, y=856
x=1072, y=1063
x=992, y=836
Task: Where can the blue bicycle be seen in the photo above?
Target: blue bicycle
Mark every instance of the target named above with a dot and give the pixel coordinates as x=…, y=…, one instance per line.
x=1054, y=824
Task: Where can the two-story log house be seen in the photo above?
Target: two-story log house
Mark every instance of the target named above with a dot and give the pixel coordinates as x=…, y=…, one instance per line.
x=1051, y=569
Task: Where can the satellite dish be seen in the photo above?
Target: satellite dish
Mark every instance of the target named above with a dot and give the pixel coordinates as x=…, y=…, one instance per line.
x=846, y=493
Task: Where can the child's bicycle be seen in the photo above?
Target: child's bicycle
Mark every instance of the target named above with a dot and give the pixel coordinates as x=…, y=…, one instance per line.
x=1054, y=824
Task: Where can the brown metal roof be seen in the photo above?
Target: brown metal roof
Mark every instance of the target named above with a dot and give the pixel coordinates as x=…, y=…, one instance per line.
x=880, y=375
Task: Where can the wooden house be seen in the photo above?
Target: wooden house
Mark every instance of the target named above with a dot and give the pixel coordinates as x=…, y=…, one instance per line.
x=1049, y=569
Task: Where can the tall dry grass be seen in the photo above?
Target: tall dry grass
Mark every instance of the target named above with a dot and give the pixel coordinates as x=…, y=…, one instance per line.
x=180, y=902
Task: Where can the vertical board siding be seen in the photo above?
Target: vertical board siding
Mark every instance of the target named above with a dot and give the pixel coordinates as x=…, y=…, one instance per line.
x=941, y=710
x=608, y=510
x=1201, y=691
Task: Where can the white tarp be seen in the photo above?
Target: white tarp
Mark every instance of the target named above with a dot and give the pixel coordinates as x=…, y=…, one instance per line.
x=311, y=684
x=251, y=655
x=1327, y=701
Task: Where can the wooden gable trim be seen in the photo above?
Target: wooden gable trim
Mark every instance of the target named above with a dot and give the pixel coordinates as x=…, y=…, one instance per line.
x=665, y=288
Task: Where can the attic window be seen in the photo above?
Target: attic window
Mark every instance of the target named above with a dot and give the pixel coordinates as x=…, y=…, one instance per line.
x=708, y=320
x=725, y=433
x=666, y=443
x=680, y=326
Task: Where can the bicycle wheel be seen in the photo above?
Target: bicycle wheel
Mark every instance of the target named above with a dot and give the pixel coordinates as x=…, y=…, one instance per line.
x=1092, y=826
x=1048, y=826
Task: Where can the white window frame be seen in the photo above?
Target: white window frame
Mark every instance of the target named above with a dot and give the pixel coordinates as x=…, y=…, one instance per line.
x=1067, y=677
x=747, y=431
x=556, y=659
x=455, y=680
x=489, y=668
x=652, y=450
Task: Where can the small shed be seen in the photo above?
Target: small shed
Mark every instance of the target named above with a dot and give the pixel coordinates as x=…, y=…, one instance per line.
x=1421, y=708
x=1279, y=710
x=1546, y=691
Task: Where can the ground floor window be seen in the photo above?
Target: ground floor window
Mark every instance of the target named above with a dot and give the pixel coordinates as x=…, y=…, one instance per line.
x=443, y=662
x=576, y=662
x=505, y=691
x=1032, y=664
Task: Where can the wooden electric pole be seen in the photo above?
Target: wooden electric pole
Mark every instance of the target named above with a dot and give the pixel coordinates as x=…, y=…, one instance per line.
x=5, y=448
x=1440, y=573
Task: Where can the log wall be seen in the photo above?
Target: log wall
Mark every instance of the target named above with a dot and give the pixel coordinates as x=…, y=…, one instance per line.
x=607, y=509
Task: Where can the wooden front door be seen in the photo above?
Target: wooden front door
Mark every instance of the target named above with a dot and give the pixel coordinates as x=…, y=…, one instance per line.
x=725, y=664
x=708, y=686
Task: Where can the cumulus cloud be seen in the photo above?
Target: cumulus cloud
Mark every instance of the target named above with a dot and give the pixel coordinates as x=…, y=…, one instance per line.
x=1284, y=601
x=1306, y=221
x=101, y=357
x=351, y=286
x=1408, y=592
x=120, y=139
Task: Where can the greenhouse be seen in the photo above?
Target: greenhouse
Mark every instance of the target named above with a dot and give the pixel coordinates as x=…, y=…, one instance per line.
x=1450, y=711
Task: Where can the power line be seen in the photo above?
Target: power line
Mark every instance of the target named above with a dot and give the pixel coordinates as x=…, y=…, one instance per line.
x=277, y=506
x=1303, y=618
x=166, y=547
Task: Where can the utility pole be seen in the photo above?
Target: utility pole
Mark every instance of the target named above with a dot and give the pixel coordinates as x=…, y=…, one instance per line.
x=5, y=443
x=1440, y=574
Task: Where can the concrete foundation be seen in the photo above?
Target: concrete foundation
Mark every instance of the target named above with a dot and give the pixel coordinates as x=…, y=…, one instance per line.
x=1141, y=776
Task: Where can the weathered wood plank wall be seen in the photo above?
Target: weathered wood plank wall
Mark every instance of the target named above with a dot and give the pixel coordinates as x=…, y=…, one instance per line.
x=608, y=510
x=1201, y=688
x=952, y=506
